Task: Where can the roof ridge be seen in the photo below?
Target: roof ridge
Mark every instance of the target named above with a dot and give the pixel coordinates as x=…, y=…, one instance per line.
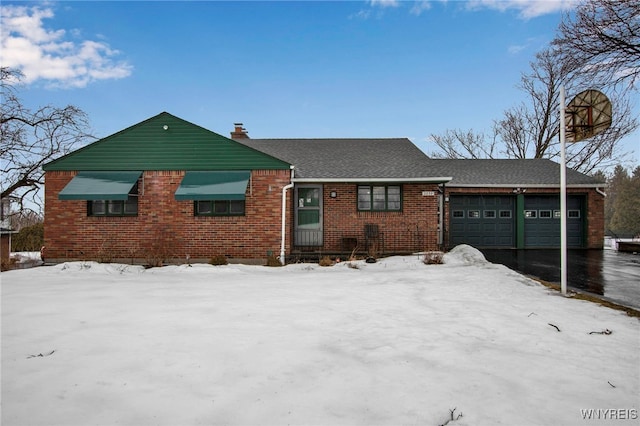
x=324, y=139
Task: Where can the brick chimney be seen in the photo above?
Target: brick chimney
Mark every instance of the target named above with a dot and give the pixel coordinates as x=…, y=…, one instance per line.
x=239, y=132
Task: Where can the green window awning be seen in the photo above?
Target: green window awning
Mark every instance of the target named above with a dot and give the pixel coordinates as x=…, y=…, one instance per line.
x=100, y=185
x=218, y=185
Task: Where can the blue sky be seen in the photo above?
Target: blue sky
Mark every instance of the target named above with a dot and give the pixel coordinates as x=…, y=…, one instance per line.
x=284, y=69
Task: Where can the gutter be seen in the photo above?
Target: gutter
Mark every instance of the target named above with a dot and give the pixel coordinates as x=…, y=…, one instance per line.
x=439, y=179
x=525, y=185
x=283, y=230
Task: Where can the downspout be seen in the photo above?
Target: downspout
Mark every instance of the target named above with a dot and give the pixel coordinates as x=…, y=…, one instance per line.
x=441, y=219
x=600, y=192
x=283, y=230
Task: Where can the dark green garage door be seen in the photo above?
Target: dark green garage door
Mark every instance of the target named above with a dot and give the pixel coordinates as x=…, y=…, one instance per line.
x=542, y=221
x=482, y=220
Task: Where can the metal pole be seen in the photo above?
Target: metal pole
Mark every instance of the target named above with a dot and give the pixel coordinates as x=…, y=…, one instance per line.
x=563, y=197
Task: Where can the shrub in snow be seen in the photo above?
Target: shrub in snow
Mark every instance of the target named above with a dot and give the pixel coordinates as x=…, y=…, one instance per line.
x=433, y=258
x=218, y=259
x=325, y=261
x=29, y=238
x=273, y=261
x=7, y=264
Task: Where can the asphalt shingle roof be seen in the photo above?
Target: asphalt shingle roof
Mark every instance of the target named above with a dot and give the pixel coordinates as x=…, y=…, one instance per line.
x=508, y=172
x=399, y=158
x=349, y=158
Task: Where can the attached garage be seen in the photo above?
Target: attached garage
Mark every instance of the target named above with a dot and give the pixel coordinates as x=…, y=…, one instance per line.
x=542, y=221
x=512, y=221
x=482, y=220
x=516, y=204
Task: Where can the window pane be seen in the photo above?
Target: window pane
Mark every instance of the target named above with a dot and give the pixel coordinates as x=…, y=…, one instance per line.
x=530, y=214
x=473, y=214
x=204, y=207
x=237, y=207
x=393, y=205
x=458, y=213
x=545, y=214
x=364, y=198
x=574, y=214
x=308, y=219
x=221, y=207
x=393, y=198
x=131, y=206
x=115, y=207
x=489, y=214
x=98, y=207
x=505, y=213
x=379, y=198
x=308, y=197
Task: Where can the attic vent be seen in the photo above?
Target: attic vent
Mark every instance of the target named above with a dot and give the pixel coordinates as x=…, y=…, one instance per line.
x=165, y=127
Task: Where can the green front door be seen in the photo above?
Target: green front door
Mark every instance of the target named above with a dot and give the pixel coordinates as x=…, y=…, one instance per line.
x=308, y=224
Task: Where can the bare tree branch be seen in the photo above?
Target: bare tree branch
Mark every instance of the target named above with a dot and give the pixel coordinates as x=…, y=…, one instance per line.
x=29, y=139
x=461, y=144
x=603, y=41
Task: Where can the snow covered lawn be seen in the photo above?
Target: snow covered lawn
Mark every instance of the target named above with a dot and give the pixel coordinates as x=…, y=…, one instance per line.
x=392, y=343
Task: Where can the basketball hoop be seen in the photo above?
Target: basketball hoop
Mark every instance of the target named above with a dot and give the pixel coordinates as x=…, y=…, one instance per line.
x=588, y=114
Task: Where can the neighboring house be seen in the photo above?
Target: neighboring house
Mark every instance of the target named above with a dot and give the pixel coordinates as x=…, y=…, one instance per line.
x=5, y=243
x=166, y=188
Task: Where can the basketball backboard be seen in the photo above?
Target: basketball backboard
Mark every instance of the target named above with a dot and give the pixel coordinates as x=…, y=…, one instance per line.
x=588, y=114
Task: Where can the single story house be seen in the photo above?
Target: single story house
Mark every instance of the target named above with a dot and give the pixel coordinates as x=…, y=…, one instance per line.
x=169, y=189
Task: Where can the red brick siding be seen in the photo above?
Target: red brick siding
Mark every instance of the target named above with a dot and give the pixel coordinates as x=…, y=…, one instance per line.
x=415, y=228
x=594, y=207
x=164, y=223
x=5, y=246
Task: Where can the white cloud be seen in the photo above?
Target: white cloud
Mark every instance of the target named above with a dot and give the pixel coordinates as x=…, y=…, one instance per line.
x=46, y=54
x=514, y=49
x=420, y=6
x=528, y=8
x=385, y=3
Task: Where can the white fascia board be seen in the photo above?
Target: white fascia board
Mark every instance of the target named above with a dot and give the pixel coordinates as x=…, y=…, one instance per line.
x=527, y=185
x=374, y=180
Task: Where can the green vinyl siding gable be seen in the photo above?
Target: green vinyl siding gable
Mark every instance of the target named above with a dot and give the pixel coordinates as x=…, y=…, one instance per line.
x=166, y=142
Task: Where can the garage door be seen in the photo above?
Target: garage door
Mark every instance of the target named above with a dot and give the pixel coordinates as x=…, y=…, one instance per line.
x=482, y=220
x=542, y=221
